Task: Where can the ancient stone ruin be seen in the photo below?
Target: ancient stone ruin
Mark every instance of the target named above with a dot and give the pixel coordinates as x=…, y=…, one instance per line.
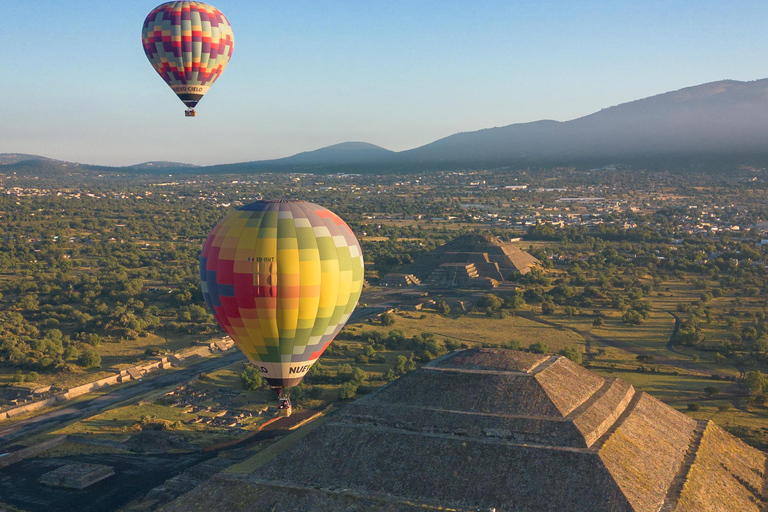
x=77, y=476
x=486, y=429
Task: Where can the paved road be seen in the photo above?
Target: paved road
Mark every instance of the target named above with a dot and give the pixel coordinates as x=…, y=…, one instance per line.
x=83, y=409
x=670, y=343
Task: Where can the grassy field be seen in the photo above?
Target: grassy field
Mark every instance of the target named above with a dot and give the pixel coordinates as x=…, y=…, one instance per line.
x=669, y=388
x=476, y=329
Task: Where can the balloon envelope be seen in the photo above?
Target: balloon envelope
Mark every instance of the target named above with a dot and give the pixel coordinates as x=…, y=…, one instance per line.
x=282, y=278
x=189, y=44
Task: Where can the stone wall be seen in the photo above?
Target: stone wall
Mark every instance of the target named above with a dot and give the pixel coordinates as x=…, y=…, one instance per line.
x=32, y=451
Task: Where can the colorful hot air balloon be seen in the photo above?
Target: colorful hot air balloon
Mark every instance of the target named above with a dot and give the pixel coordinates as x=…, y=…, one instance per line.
x=189, y=44
x=282, y=278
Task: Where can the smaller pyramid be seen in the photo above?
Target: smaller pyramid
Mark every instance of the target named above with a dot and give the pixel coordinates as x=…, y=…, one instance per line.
x=480, y=261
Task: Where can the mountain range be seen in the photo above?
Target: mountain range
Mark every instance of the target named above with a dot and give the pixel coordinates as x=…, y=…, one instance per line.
x=719, y=123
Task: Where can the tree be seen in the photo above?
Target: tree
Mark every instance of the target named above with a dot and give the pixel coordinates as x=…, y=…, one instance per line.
x=400, y=364
x=388, y=318
x=710, y=391
x=512, y=344
x=345, y=370
x=547, y=308
x=29, y=302
x=359, y=375
x=347, y=390
x=756, y=382
x=442, y=308
x=632, y=317
x=515, y=301
x=573, y=354
x=250, y=378
x=89, y=358
x=761, y=344
x=490, y=301
x=538, y=348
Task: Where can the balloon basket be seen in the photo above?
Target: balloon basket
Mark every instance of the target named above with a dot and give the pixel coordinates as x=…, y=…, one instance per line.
x=284, y=407
x=190, y=113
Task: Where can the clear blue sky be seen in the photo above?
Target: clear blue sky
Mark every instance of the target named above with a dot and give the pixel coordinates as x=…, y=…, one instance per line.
x=397, y=73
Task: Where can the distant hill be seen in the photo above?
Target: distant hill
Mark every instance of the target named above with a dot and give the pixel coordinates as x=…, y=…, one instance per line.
x=723, y=122
x=14, y=158
x=37, y=166
x=344, y=157
x=34, y=165
x=151, y=166
x=346, y=152
x=719, y=119
x=715, y=125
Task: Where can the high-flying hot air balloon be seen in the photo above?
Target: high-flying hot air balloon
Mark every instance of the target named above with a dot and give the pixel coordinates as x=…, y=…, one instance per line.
x=189, y=44
x=282, y=278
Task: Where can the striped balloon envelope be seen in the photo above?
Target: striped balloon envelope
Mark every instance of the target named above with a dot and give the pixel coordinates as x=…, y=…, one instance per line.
x=282, y=278
x=189, y=44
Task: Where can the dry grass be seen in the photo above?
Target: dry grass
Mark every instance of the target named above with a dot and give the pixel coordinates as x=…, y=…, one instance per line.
x=476, y=329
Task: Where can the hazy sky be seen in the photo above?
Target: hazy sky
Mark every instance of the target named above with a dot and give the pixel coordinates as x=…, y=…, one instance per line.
x=397, y=73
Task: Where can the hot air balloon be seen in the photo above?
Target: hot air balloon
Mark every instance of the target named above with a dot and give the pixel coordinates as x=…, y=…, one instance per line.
x=189, y=44
x=282, y=278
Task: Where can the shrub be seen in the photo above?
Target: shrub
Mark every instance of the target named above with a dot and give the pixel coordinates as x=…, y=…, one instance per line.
x=388, y=318
x=511, y=344
x=250, y=378
x=89, y=358
x=347, y=390
x=442, y=307
x=632, y=317
x=573, y=354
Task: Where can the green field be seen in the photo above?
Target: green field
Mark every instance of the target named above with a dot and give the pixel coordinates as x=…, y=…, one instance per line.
x=476, y=329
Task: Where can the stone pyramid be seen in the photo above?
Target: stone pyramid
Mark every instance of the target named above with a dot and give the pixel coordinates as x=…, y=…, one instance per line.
x=493, y=429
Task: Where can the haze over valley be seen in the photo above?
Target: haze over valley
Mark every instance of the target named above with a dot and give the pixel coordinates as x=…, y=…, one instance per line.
x=721, y=123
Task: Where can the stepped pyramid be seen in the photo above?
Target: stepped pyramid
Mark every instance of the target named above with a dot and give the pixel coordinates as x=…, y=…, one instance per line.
x=494, y=429
x=488, y=256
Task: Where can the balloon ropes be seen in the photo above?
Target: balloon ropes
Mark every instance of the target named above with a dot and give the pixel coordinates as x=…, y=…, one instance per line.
x=189, y=44
x=282, y=278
